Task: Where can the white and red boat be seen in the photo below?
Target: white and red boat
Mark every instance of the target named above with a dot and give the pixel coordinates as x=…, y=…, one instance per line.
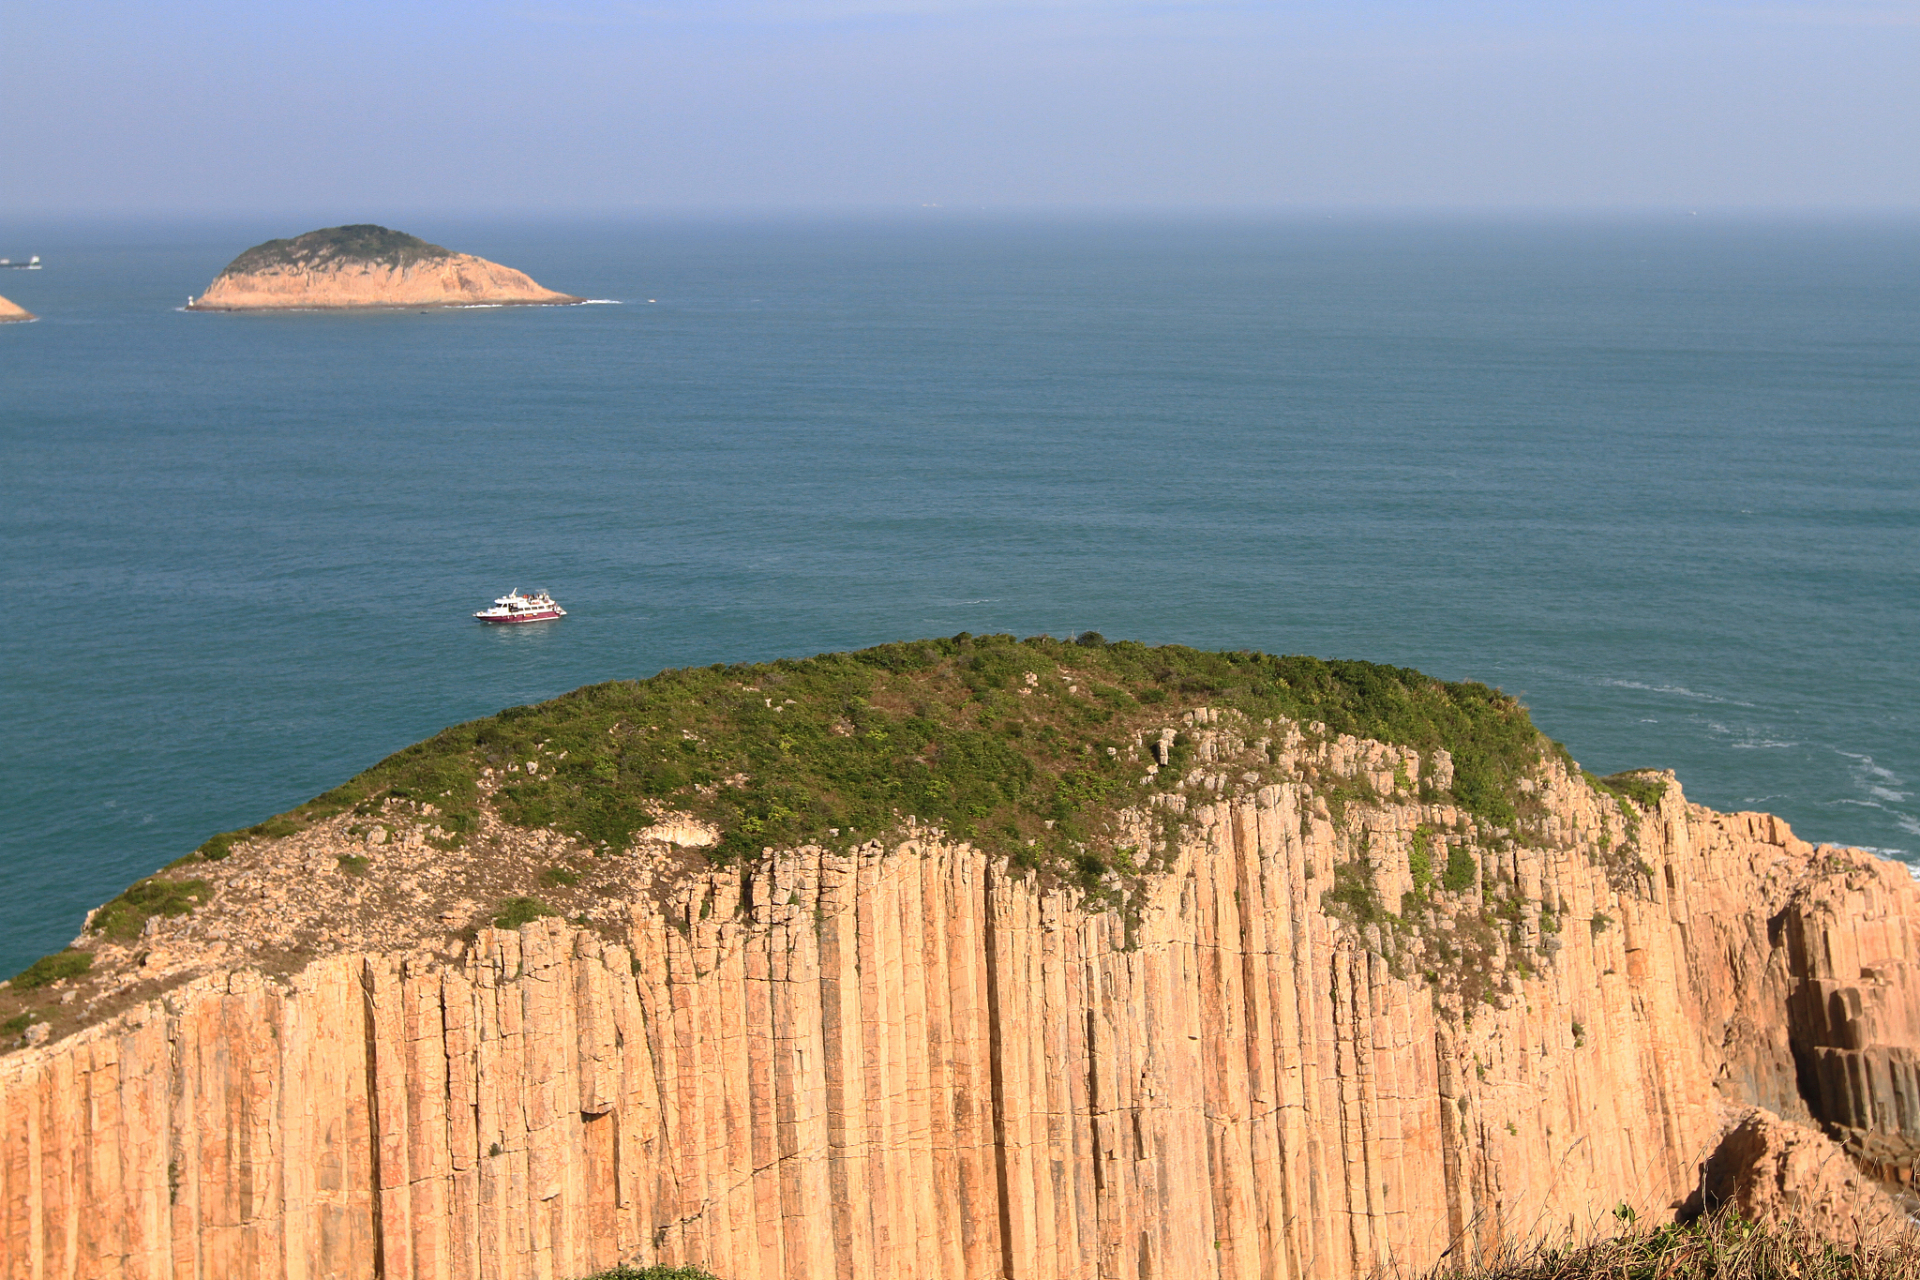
x=515, y=607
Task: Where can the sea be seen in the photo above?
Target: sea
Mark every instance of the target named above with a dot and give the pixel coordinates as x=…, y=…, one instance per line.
x=1657, y=475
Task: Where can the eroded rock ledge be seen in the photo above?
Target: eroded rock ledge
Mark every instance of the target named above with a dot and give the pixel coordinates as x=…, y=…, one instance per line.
x=907, y=1056
x=366, y=266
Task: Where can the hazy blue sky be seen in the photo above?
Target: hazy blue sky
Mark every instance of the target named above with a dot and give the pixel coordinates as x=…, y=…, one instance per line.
x=358, y=109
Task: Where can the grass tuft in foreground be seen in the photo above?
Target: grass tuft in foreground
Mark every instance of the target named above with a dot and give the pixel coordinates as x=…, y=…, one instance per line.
x=1722, y=1247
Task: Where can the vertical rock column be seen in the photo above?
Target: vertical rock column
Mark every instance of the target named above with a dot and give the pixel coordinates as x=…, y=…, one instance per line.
x=878, y=1064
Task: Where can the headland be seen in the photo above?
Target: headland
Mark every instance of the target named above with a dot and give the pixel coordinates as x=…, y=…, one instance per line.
x=366, y=266
x=11, y=311
x=963, y=958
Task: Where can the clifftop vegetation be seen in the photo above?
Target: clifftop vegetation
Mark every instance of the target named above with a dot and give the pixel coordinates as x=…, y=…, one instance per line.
x=1024, y=747
x=360, y=243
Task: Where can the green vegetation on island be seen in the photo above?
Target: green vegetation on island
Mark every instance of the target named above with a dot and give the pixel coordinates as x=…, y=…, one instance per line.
x=360, y=243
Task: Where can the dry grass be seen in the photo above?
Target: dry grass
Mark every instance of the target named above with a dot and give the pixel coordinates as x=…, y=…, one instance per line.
x=1722, y=1247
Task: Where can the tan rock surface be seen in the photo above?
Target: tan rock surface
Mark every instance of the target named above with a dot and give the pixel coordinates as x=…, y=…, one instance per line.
x=913, y=1061
x=13, y=311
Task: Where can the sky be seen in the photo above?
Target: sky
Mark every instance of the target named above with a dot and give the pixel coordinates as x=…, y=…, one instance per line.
x=595, y=106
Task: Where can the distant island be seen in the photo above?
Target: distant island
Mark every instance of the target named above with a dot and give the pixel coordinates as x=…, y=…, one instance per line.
x=10, y=311
x=366, y=266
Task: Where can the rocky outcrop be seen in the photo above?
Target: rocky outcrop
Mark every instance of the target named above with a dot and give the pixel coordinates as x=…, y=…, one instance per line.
x=911, y=1059
x=13, y=311
x=1772, y=1170
x=366, y=266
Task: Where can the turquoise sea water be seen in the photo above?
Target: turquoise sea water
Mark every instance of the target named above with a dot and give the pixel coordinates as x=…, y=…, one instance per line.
x=1660, y=477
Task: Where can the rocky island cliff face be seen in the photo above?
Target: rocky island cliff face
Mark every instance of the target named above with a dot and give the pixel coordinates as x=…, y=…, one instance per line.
x=366, y=266
x=13, y=311
x=1099, y=966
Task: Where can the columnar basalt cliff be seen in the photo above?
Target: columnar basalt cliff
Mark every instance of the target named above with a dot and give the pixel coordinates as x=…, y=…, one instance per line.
x=13, y=311
x=1206, y=1049
x=366, y=266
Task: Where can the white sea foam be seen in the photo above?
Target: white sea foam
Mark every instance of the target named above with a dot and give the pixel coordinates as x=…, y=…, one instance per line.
x=1678, y=691
x=601, y=302
x=1760, y=744
x=1868, y=767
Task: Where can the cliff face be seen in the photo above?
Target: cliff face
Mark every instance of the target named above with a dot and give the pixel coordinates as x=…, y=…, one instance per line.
x=915, y=1060
x=13, y=311
x=366, y=266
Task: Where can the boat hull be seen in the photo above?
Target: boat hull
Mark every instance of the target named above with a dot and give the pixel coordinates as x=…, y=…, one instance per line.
x=548, y=615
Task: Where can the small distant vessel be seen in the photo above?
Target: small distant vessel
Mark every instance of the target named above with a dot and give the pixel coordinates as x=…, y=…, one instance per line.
x=31, y=264
x=516, y=607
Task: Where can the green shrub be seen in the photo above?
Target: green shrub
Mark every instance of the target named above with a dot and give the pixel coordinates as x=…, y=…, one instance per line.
x=559, y=876
x=1461, y=870
x=1353, y=894
x=61, y=964
x=1644, y=787
x=518, y=911
x=123, y=919
x=1420, y=857
x=625, y=1272
x=353, y=864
